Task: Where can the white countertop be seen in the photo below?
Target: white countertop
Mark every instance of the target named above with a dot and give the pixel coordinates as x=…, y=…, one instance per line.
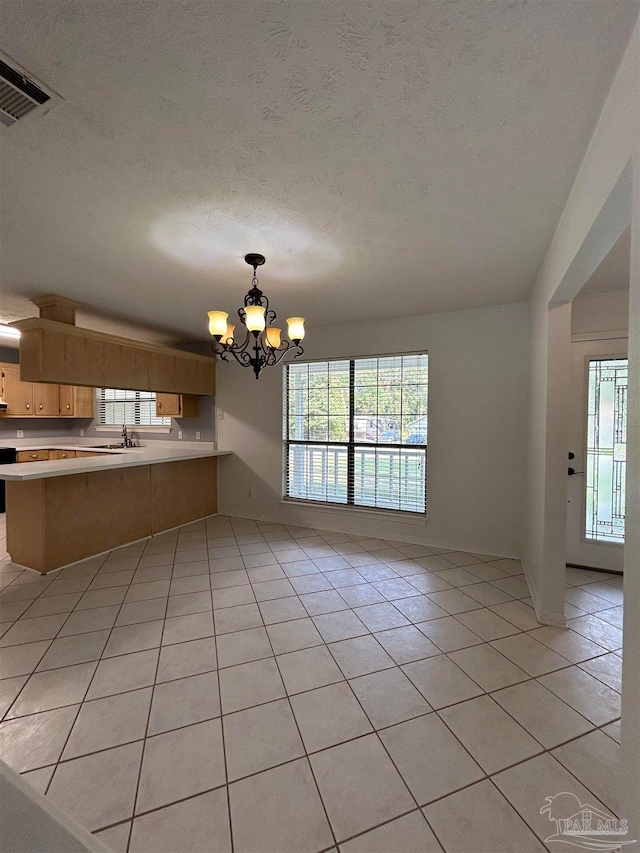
x=151, y=454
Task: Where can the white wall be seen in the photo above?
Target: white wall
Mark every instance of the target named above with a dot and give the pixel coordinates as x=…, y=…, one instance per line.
x=600, y=312
x=604, y=198
x=33, y=823
x=478, y=362
x=596, y=213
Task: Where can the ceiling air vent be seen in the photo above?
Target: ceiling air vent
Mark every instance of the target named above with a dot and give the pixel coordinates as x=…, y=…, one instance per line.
x=19, y=93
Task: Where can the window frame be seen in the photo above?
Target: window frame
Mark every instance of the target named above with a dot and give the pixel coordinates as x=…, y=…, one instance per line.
x=351, y=444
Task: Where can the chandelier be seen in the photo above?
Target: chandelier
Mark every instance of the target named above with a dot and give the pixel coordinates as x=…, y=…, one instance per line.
x=263, y=345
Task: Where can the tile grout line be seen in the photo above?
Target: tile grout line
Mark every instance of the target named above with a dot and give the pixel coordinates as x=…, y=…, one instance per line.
x=304, y=747
x=146, y=730
x=64, y=746
x=222, y=727
x=326, y=644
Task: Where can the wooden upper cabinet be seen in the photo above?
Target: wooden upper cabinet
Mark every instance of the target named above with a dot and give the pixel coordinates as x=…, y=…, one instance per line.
x=176, y=406
x=84, y=361
x=206, y=372
x=18, y=395
x=167, y=405
x=140, y=378
x=84, y=402
x=54, y=352
x=46, y=400
x=52, y=356
x=119, y=366
x=67, y=401
x=186, y=376
x=43, y=399
x=162, y=372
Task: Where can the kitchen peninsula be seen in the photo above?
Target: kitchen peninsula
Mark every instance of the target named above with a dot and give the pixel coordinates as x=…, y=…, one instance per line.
x=63, y=510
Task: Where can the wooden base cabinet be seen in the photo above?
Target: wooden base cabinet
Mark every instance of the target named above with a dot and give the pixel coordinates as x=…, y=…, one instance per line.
x=33, y=455
x=59, y=520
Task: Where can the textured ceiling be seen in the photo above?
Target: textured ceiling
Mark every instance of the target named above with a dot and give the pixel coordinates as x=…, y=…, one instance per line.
x=386, y=157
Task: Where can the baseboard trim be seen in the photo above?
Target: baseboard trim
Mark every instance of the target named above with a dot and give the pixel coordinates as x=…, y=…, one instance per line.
x=406, y=538
x=594, y=569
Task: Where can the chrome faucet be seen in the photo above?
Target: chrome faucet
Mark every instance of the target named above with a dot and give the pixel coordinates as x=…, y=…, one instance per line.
x=126, y=441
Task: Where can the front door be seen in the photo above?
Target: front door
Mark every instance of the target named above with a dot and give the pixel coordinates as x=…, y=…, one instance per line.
x=596, y=491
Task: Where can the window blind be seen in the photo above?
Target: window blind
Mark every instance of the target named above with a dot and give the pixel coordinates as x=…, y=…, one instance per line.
x=355, y=432
x=133, y=408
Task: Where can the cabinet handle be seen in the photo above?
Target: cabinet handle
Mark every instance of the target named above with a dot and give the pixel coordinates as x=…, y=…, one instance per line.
x=34, y=455
x=68, y=406
x=159, y=404
x=40, y=406
x=28, y=406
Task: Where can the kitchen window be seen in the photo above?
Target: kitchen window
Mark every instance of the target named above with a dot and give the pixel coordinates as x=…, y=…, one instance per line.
x=355, y=432
x=133, y=408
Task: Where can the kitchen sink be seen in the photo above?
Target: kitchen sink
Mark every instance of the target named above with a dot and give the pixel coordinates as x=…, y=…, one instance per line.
x=107, y=447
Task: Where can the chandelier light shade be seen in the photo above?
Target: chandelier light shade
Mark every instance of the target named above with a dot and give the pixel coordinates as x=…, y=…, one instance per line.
x=262, y=344
x=217, y=322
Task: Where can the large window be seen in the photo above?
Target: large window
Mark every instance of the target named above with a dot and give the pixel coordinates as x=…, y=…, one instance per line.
x=133, y=408
x=355, y=432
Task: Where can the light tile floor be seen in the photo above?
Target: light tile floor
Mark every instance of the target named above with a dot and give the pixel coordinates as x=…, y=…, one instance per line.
x=234, y=685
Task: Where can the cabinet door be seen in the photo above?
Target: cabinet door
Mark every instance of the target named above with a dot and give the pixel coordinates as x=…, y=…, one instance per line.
x=141, y=376
x=62, y=454
x=206, y=373
x=186, y=375
x=168, y=405
x=46, y=400
x=67, y=400
x=51, y=364
x=32, y=455
x=162, y=372
x=84, y=402
x=84, y=361
x=18, y=395
x=119, y=366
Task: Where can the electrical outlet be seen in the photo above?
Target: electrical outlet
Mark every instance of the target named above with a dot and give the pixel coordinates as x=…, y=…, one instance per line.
x=81, y=433
x=19, y=433
x=220, y=415
x=197, y=436
x=180, y=434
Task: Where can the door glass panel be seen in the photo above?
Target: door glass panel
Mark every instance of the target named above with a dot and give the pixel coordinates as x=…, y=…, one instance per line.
x=606, y=449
